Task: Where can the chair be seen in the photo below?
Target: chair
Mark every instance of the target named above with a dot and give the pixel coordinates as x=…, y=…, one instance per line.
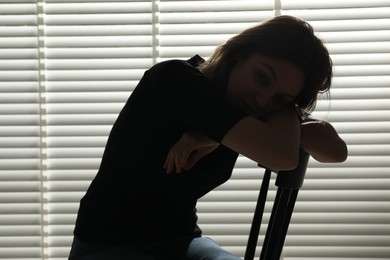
x=288, y=183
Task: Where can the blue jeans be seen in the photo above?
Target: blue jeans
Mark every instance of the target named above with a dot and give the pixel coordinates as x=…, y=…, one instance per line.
x=199, y=248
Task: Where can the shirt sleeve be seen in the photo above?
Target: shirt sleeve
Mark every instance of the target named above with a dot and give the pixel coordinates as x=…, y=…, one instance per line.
x=186, y=95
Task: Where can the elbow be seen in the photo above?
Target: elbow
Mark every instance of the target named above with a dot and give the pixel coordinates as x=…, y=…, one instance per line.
x=290, y=162
x=337, y=154
x=342, y=153
x=286, y=156
x=286, y=161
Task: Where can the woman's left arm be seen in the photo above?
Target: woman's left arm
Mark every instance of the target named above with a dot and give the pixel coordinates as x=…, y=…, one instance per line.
x=320, y=139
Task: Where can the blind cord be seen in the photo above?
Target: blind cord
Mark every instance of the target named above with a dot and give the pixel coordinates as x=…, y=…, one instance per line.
x=278, y=7
x=42, y=127
x=155, y=30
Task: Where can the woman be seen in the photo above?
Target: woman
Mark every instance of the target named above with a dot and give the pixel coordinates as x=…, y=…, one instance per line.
x=179, y=135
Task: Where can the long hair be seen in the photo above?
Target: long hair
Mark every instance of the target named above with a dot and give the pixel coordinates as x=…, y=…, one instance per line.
x=283, y=37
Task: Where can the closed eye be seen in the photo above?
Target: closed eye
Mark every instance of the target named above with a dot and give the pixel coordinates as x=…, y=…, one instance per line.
x=262, y=79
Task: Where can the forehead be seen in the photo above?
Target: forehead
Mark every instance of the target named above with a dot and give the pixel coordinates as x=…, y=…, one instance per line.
x=288, y=77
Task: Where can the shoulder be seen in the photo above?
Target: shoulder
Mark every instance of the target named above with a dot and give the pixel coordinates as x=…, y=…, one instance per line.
x=177, y=75
x=170, y=74
x=169, y=67
x=173, y=78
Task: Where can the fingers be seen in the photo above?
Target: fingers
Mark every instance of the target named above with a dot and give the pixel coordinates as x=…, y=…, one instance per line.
x=185, y=160
x=178, y=162
x=176, y=159
x=198, y=154
x=169, y=163
x=187, y=151
x=191, y=160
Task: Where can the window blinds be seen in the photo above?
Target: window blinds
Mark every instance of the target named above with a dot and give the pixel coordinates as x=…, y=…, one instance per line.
x=20, y=183
x=344, y=210
x=96, y=51
x=67, y=67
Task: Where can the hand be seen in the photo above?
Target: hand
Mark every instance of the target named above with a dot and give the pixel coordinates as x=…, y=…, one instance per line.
x=186, y=152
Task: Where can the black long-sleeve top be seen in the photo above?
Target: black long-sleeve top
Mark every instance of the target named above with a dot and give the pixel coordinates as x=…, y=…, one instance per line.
x=132, y=199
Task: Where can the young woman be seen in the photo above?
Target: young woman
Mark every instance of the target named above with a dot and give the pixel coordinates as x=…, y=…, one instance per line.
x=179, y=135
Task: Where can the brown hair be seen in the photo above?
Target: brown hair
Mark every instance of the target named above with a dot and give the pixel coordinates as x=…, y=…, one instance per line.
x=282, y=37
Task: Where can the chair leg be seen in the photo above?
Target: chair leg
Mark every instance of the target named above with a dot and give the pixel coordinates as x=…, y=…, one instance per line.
x=289, y=183
x=257, y=217
x=278, y=223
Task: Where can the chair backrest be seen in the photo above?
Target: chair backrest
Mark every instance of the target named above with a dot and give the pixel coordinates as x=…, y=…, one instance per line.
x=288, y=183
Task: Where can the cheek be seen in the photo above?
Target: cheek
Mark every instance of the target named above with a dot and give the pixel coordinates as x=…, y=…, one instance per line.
x=231, y=93
x=241, y=85
x=233, y=86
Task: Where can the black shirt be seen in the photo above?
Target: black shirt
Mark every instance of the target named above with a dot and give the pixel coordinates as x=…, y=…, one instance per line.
x=132, y=199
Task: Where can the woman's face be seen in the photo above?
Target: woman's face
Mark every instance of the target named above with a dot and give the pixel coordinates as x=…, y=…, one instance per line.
x=260, y=85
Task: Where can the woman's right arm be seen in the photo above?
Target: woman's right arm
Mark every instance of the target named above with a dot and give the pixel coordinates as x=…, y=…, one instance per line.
x=274, y=143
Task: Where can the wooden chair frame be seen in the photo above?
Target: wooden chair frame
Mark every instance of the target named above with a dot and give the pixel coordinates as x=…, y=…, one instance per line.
x=288, y=183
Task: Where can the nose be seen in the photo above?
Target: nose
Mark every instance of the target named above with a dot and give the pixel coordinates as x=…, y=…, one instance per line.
x=266, y=102
x=261, y=101
x=265, y=98
x=262, y=105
